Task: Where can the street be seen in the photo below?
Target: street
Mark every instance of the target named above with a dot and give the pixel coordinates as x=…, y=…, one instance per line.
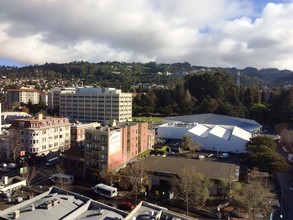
x=286, y=197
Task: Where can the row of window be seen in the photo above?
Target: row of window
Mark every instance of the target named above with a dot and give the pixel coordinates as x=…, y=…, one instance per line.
x=51, y=130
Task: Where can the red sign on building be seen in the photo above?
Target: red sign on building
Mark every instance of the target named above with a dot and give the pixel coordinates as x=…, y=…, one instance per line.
x=22, y=153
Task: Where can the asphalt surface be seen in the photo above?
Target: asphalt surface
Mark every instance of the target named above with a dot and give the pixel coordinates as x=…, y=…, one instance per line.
x=286, y=190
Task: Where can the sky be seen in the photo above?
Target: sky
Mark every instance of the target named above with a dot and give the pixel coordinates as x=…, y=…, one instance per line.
x=213, y=33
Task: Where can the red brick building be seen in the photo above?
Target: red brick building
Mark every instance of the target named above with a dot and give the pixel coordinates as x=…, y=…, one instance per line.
x=108, y=148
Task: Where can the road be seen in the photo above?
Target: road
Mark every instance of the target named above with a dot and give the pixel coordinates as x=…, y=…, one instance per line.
x=286, y=200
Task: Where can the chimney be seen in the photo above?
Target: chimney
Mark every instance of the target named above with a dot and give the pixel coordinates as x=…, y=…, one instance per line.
x=40, y=116
x=5, y=180
x=113, y=123
x=15, y=214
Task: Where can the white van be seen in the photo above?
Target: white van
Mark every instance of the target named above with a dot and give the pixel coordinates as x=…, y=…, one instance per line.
x=105, y=190
x=62, y=178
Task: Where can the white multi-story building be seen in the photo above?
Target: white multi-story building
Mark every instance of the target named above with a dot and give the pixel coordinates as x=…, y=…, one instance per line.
x=23, y=95
x=93, y=104
x=40, y=135
x=54, y=93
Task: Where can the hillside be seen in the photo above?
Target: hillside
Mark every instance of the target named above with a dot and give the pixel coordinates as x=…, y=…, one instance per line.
x=124, y=75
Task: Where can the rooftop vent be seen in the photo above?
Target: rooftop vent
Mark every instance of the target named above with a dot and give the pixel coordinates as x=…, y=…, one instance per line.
x=15, y=214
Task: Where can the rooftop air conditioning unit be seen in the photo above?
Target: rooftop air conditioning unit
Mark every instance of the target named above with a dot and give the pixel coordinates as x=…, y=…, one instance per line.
x=15, y=214
x=151, y=212
x=5, y=180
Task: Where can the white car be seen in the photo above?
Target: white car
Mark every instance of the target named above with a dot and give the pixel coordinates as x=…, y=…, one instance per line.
x=4, y=165
x=224, y=155
x=285, y=149
x=201, y=157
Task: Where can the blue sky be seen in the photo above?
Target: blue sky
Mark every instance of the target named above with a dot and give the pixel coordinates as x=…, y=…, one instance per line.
x=226, y=33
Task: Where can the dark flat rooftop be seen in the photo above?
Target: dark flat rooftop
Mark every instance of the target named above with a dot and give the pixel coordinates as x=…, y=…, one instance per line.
x=174, y=165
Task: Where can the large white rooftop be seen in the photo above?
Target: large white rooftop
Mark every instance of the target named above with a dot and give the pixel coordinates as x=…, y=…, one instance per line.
x=60, y=204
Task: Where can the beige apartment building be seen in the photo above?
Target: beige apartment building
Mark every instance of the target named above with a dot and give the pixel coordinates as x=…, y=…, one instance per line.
x=93, y=104
x=23, y=95
x=40, y=135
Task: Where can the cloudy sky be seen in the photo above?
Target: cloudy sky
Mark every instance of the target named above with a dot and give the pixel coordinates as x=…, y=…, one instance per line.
x=226, y=33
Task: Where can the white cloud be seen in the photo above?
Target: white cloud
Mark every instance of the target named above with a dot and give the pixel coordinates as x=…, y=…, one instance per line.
x=202, y=32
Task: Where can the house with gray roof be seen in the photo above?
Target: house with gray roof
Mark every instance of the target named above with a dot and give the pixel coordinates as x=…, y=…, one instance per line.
x=164, y=169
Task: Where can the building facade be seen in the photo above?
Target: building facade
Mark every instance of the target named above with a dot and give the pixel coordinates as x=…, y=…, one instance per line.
x=54, y=93
x=23, y=95
x=44, y=97
x=109, y=148
x=40, y=135
x=77, y=131
x=92, y=104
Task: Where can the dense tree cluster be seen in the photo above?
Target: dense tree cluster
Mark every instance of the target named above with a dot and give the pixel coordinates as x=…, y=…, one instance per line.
x=170, y=89
x=262, y=154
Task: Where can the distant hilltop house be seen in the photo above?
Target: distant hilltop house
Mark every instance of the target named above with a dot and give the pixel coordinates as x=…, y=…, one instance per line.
x=213, y=132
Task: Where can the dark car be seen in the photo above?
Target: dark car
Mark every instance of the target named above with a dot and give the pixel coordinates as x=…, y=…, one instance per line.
x=128, y=206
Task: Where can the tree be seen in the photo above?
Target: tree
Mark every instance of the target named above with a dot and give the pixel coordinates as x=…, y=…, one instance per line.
x=109, y=176
x=187, y=143
x=262, y=140
x=138, y=179
x=29, y=173
x=262, y=154
x=286, y=136
x=259, y=112
x=248, y=98
x=226, y=186
x=253, y=198
x=192, y=187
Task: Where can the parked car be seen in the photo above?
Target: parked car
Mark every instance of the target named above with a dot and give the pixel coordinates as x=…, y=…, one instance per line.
x=210, y=155
x=201, y=157
x=4, y=165
x=53, y=161
x=285, y=149
x=4, y=169
x=127, y=206
x=224, y=155
x=12, y=165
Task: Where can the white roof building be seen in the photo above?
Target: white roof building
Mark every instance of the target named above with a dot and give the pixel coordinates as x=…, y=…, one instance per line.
x=57, y=204
x=213, y=132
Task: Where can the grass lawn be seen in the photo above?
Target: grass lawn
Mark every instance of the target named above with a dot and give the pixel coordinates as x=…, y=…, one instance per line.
x=148, y=119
